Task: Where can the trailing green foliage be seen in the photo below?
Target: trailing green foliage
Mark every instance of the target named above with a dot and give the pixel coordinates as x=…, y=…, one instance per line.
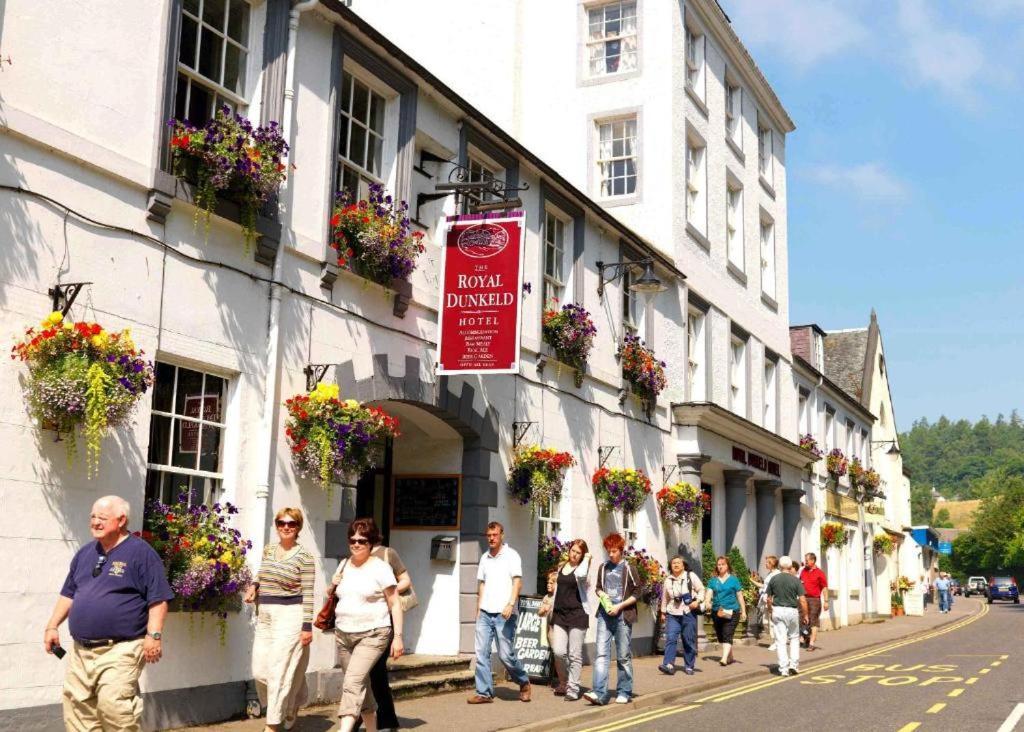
x=707, y=561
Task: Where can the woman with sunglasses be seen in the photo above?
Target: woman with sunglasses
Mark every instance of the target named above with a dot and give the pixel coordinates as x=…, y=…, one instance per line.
x=367, y=589
x=283, y=594
x=728, y=608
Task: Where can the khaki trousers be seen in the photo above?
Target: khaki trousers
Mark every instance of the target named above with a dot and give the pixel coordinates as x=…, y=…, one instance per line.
x=101, y=688
x=279, y=661
x=358, y=652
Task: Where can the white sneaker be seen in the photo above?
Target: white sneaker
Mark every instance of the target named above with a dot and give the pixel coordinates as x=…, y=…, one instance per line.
x=622, y=699
x=771, y=647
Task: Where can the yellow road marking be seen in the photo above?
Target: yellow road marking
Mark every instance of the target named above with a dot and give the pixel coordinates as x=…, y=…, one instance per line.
x=640, y=719
x=984, y=671
x=910, y=727
x=972, y=680
x=1004, y=657
x=997, y=663
x=955, y=692
x=756, y=686
x=936, y=708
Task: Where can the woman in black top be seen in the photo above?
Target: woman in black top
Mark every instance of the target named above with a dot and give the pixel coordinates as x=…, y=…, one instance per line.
x=571, y=616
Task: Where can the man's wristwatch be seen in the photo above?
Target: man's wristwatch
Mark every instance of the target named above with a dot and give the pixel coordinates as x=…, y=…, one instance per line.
x=155, y=636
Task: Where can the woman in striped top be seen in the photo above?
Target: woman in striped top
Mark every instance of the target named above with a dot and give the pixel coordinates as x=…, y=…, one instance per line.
x=284, y=596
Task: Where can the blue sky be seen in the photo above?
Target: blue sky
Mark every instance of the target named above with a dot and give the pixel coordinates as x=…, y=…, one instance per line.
x=905, y=185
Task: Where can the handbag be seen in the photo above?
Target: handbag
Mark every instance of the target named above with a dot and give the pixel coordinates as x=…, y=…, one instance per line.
x=408, y=599
x=325, y=619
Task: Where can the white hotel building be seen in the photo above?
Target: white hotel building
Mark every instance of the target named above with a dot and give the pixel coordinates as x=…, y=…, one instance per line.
x=676, y=155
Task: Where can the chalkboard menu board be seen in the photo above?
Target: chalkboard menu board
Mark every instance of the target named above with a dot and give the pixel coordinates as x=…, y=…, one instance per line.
x=426, y=502
x=532, y=647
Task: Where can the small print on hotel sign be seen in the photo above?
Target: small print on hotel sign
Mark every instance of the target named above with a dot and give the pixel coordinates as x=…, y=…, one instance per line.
x=481, y=293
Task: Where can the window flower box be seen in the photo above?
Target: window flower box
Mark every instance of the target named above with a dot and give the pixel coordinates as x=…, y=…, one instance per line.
x=536, y=475
x=569, y=331
x=229, y=159
x=82, y=377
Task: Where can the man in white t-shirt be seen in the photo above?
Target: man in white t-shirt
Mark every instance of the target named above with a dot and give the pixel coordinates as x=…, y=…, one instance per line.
x=499, y=579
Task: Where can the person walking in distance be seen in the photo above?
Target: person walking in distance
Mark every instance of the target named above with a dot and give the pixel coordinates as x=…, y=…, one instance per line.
x=771, y=563
x=728, y=606
x=680, y=599
x=116, y=596
x=283, y=593
x=571, y=615
x=816, y=586
x=499, y=580
x=787, y=604
x=942, y=585
x=618, y=589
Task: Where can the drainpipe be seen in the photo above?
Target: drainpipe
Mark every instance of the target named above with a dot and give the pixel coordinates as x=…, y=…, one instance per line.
x=270, y=407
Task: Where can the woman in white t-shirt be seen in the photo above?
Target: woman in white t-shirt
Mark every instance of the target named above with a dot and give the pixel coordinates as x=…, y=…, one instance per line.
x=366, y=588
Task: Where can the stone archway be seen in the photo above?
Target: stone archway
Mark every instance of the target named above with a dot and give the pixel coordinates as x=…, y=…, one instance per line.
x=453, y=401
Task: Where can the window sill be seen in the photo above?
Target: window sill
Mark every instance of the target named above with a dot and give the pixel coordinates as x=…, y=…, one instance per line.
x=698, y=237
x=770, y=302
x=699, y=103
x=167, y=188
x=615, y=201
x=547, y=355
x=736, y=150
x=329, y=272
x=768, y=188
x=737, y=274
x=609, y=78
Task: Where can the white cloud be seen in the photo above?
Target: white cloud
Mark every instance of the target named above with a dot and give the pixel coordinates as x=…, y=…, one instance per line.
x=802, y=32
x=869, y=181
x=939, y=56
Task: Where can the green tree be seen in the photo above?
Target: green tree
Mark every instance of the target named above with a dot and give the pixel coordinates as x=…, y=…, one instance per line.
x=742, y=573
x=942, y=520
x=922, y=504
x=995, y=543
x=707, y=560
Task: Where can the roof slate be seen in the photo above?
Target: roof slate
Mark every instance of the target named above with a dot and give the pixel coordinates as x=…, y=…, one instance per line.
x=845, y=352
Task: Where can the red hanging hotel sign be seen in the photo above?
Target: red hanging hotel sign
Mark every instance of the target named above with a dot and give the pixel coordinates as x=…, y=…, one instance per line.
x=481, y=293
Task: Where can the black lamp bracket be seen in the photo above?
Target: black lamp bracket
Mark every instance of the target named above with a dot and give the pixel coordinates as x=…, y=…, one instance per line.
x=63, y=295
x=618, y=269
x=314, y=374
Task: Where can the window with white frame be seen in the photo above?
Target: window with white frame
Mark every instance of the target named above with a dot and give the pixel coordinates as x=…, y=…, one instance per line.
x=480, y=171
x=186, y=435
x=738, y=376
x=213, y=52
x=617, y=157
x=360, y=136
x=734, y=224
x=851, y=432
x=865, y=453
x=696, y=184
x=695, y=62
x=764, y=151
x=549, y=520
x=629, y=532
x=696, y=356
x=734, y=113
x=830, y=426
x=768, y=258
x=556, y=264
x=770, y=393
x=612, y=38
x=803, y=412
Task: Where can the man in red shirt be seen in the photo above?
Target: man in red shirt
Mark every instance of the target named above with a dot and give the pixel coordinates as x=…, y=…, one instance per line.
x=816, y=587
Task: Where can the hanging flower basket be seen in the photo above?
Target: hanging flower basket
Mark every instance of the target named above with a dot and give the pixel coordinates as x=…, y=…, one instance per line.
x=82, y=376
x=333, y=439
x=871, y=480
x=836, y=464
x=535, y=477
x=229, y=157
x=683, y=504
x=650, y=573
x=374, y=237
x=550, y=554
x=833, y=534
x=808, y=443
x=644, y=372
x=204, y=557
x=883, y=544
x=856, y=472
x=621, y=489
x=569, y=331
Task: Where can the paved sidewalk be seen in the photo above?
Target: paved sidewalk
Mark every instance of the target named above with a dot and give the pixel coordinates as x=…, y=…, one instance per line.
x=449, y=711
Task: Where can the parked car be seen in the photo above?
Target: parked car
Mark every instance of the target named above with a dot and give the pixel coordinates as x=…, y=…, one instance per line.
x=975, y=586
x=1003, y=588
x=955, y=587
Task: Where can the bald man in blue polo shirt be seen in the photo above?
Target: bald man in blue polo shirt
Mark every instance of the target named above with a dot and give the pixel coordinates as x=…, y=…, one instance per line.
x=116, y=595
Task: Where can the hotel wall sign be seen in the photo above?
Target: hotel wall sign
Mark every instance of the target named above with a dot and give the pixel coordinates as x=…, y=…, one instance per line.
x=756, y=461
x=481, y=293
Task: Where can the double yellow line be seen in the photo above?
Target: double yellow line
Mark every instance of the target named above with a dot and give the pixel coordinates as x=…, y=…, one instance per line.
x=758, y=685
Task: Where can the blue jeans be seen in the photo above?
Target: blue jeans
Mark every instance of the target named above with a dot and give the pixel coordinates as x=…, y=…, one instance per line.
x=608, y=628
x=488, y=627
x=944, y=600
x=684, y=626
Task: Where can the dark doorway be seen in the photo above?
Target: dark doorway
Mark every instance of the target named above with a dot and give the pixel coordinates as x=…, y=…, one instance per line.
x=373, y=492
x=705, y=524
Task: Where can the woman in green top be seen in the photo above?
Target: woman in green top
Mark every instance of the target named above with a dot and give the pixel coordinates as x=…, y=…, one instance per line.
x=727, y=606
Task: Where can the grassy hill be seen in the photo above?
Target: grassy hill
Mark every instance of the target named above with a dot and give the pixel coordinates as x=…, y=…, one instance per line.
x=961, y=513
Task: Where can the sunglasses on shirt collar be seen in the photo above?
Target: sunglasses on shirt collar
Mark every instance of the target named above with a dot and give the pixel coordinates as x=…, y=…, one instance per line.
x=100, y=561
